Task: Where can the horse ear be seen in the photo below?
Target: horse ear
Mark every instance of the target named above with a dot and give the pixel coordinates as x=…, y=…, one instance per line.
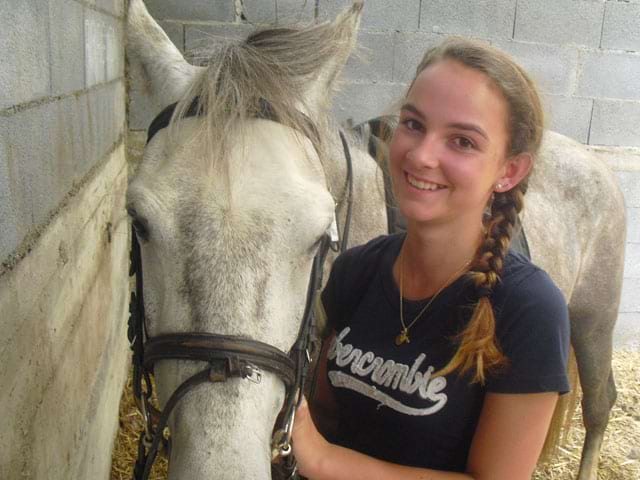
x=345, y=34
x=164, y=69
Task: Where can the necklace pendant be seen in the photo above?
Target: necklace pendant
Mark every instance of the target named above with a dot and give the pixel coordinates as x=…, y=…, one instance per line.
x=403, y=337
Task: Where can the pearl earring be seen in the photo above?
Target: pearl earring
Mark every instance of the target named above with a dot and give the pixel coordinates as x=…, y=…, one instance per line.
x=501, y=185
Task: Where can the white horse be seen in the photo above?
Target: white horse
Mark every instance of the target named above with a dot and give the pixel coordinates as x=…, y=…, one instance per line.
x=230, y=208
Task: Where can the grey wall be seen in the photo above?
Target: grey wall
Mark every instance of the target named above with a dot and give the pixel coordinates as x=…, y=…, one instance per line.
x=61, y=104
x=585, y=54
x=63, y=236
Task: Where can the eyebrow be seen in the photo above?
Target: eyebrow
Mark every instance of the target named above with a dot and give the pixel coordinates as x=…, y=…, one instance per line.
x=460, y=125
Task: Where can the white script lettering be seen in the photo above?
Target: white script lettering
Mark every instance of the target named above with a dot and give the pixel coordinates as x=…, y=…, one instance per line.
x=387, y=373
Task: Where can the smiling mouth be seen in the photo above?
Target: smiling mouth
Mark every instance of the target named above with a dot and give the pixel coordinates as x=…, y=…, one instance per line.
x=423, y=185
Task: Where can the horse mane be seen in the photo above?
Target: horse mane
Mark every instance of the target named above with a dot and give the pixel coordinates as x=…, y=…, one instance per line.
x=279, y=65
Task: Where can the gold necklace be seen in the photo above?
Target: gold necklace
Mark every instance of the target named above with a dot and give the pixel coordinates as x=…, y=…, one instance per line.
x=403, y=336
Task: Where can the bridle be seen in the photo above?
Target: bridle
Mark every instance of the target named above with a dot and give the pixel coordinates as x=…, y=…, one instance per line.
x=226, y=356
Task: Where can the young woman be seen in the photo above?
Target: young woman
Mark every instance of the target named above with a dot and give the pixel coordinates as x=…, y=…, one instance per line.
x=449, y=351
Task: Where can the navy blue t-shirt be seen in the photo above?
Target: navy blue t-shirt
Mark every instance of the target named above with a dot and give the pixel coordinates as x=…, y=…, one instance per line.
x=390, y=406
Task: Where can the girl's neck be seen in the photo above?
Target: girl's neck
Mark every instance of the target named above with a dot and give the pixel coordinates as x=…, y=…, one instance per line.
x=431, y=255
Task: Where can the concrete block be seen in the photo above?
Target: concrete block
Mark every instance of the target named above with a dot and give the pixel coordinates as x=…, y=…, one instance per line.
x=106, y=110
x=199, y=39
x=66, y=27
x=141, y=112
x=553, y=67
x=142, y=107
x=114, y=49
x=95, y=50
x=24, y=56
x=476, y=18
x=609, y=75
x=175, y=32
x=629, y=181
x=295, y=11
x=32, y=139
x=377, y=14
x=576, y=22
x=633, y=224
x=408, y=50
x=621, y=28
x=371, y=61
x=11, y=208
x=615, y=122
x=260, y=11
x=626, y=333
x=83, y=147
x=50, y=148
x=630, y=298
x=570, y=116
x=202, y=10
x=363, y=101
x=632, y=268
x=116, y=7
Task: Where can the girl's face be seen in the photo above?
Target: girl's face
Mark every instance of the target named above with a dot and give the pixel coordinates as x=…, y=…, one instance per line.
x=448, y=151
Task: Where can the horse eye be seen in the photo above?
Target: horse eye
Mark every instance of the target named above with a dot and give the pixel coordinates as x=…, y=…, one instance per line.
x=139, y=224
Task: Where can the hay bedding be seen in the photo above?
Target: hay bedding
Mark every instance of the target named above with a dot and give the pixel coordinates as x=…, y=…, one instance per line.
x=619, y=458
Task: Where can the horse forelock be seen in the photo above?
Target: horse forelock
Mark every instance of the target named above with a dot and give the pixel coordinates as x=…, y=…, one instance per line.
x=276, y=65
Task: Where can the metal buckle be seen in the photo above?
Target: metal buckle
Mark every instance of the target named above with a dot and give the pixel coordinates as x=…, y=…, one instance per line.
x=148, y=434
x=252, y=373
x=280, y=445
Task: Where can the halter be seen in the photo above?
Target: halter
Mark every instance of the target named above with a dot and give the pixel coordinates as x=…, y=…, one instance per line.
x=226, y=356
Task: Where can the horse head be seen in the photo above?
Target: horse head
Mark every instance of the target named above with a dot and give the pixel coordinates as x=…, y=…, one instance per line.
x=230, y=204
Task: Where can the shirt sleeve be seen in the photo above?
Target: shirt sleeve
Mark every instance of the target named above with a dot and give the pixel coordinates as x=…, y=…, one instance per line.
x=532, y=328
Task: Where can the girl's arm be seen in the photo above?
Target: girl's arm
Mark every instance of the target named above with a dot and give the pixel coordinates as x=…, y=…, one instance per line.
x=506, y=446
x=510, y=435
x=323, y=404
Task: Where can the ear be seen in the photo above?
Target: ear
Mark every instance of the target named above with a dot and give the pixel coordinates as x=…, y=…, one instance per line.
x=513, y=171
x=163, y=67
x=343, y=34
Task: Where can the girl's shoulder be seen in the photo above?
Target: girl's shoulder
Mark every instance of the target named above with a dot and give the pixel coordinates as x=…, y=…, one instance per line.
x=522, y=279
x=532, y=328
x=351, y=275
x=372, y=249
x=360, y=263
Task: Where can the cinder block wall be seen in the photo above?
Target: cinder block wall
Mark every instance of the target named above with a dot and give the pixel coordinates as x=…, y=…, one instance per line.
x=584, y=54
x=63, y=236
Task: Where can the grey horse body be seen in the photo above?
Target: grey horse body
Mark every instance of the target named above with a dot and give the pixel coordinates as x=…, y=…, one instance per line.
x=230, y=250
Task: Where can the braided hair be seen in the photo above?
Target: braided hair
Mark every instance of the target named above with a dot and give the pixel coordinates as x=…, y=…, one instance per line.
x=478, y=350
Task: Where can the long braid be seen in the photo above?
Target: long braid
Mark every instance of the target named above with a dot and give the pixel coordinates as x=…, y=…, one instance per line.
x=478, y=349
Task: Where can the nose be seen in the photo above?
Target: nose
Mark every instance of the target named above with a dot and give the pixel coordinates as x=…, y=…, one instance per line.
x=425, y=153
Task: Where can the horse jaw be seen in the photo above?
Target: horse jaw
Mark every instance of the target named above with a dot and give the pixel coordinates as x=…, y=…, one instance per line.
x=164, y=69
